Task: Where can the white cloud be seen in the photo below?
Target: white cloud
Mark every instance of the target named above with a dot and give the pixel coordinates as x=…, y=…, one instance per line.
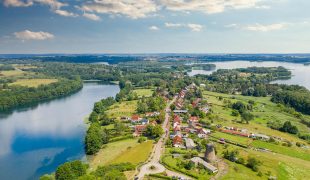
x=30, y=35
x=173, y=25
x=209, y=6
x=266, y=28
x=191, y=26
x=232, y=25
x=17, y=3
x=195, y=27
x=130, y=8
x=54, y=5
x=65, y=13
x=91, y=16
x=154, y=28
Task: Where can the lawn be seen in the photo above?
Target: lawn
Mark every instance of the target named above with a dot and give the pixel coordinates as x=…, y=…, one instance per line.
x=289, y=151
x=144, y=92
x=33, y=82
x=137, y=154
x=234, y=138
x=110, y=152
x=126, y=108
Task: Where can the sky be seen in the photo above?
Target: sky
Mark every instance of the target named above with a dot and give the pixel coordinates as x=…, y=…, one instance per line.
x=154, y=26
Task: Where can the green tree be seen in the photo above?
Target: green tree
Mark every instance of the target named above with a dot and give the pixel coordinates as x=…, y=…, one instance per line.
x=93, y=139
x=70, y=170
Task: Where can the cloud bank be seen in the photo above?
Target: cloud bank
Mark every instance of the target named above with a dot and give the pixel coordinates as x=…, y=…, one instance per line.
x=30, y=35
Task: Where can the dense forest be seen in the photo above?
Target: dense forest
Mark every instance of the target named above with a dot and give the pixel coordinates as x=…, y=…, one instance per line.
x=21, y=96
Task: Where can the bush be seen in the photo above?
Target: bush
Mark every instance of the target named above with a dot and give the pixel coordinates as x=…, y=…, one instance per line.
x=70, y=170
x=142, y=139
x=253, y=163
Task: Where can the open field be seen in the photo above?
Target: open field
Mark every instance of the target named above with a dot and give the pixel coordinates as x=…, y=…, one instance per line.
x=126, y=108
x=264, y=111
x=12, y=73
x=33, y=82
x=289, y=151
x=274, y=164
x=135, y=155
x=234, y=138
x=111, y=152
x=143, y=92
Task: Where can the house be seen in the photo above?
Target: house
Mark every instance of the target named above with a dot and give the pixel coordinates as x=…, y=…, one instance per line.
x=135, y=118
x=202, y=133
x=180, y=111
x=177, y=119
x=196, y=102
x=151, y=114
x=189, y=143
x=235, y=132
x=139, y=130
x=208, y=166
x=177, y=128
x=260, y=136
x=125, y=118
x=194, y=119
x=178, y=141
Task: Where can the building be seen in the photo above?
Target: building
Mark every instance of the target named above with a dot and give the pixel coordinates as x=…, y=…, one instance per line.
x=202, y=133
x=152, y=114
x=176, y=119
x=180, y=111
x=136, y=119
x=139, y=130
x=178, y=141
x=194, y=119
x=189, y=143
x=260, y=136
x=210, y=167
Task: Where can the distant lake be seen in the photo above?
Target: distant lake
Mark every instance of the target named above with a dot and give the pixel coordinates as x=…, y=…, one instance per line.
x=300, y=72
x=34, y=141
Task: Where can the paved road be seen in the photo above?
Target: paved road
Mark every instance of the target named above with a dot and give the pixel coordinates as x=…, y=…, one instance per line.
x=153, y=166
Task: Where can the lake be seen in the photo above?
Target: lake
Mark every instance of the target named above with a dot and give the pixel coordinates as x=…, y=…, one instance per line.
x=300, y=72
x=35, y=140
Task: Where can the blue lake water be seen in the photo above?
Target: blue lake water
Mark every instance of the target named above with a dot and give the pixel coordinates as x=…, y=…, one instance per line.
x=34, y=141
x=300, y=72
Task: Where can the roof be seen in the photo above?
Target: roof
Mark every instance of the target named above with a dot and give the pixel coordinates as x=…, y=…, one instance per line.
x=140, y=127
x=135, y=117
x=177, y=140
x=180, y=111
x=177, y=119
x=204, y=163
x=189, y=142
x=194, y=118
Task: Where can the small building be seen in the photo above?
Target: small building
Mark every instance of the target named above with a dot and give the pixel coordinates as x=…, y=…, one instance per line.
x=208, y=166
x=260, y=136
x=177, y=119
x=139, y=130
x=189, y=143
x=178, y=141
x=180, y=111
x=194, y=119
x=135, y=118
x=152, y=114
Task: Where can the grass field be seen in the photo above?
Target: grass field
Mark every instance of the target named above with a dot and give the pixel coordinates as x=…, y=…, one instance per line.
x=264, y=110
x=111, y=152
x=289, y=151
x=143, y=92
x=234, y=138
x=278, y=165
x=126, y=108
x=135, y=155
x=11, y=73
x=33, y=82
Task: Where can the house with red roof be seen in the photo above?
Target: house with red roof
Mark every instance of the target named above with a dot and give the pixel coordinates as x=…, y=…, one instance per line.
x=139, y=130
x=178, y=141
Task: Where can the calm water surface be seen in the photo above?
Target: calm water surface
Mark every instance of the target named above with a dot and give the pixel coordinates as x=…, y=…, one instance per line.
x=300, y=72
x=34, y=141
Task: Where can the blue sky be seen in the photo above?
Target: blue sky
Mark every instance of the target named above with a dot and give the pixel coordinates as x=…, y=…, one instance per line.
x=154, y=26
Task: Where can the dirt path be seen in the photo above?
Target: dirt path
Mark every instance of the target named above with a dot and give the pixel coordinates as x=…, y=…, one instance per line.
x=223, y=169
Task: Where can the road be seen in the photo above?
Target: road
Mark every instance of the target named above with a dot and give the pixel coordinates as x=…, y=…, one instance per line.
x=153, y=166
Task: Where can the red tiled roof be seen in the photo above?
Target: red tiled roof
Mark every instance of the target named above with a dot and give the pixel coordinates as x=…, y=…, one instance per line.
x=194, y=118
x=177, y=140
x=135, y=117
